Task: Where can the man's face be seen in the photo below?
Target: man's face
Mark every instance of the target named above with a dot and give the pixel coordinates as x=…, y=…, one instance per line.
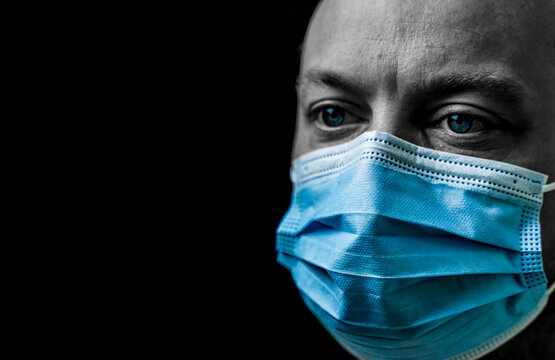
x=472, y=77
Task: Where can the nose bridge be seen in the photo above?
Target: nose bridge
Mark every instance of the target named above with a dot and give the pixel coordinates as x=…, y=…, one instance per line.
x=386, y=117
x=390, y=116
x=390, y=108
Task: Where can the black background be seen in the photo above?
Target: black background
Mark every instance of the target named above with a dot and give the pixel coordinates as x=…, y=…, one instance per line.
x=268, y=317
x=258, y=311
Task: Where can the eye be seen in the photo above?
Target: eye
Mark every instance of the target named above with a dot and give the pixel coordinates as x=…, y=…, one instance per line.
x=464, y=124
x=332, y=116
x=460, y=123
x=336, y=120
x=467, y=129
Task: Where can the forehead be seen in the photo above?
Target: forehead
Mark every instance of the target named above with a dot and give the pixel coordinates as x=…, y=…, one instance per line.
x=409, y=37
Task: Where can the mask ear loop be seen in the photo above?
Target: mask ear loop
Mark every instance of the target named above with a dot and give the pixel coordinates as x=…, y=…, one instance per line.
x=551, y=289
x=548, y=187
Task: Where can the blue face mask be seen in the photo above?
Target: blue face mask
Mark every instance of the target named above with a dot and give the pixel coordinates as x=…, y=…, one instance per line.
x=406, y=252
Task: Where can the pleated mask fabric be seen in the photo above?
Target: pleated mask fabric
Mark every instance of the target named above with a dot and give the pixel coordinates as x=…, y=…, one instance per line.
x=406, y=252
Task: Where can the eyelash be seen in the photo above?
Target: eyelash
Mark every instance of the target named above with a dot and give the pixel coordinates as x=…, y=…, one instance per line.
x=481, y=119
x=315, y=112
x=330, y=133
x=488, y=120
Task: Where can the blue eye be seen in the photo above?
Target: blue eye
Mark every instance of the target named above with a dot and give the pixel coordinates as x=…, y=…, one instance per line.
x=333, y=116
x=460, y=123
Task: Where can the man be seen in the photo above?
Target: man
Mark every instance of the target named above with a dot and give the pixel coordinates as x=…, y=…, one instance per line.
x=473, y=78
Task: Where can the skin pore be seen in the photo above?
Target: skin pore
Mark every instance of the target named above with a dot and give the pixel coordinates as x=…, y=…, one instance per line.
x=421, y=69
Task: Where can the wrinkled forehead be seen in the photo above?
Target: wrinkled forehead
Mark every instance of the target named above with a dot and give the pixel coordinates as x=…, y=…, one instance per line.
x=428, y=34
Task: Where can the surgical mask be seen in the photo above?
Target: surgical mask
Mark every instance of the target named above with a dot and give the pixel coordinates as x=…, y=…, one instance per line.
x=406, y=252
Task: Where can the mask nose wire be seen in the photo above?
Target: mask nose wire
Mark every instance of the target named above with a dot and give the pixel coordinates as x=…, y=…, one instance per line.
x=548, y=187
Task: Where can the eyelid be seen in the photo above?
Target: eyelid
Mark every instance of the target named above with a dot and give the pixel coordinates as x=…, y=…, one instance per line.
x=346, y=105
x=446, y=110
x=475, y=117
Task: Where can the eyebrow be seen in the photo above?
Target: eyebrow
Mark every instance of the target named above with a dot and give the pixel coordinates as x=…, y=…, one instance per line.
x=502, y=89
x=319, y=78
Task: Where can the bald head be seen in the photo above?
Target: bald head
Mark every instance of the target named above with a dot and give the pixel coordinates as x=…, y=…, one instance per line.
x=471, y=30
x=429, y=36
